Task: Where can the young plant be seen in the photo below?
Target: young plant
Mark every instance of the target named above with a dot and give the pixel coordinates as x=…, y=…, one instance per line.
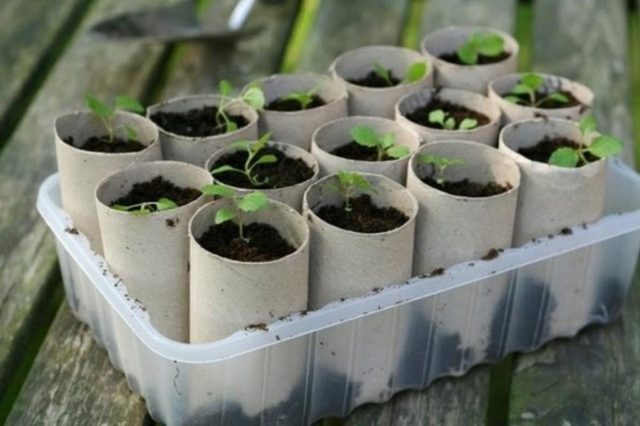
x=384, y=143
x=416, y=71
x=303, y=97
x=529, y=85
x=254, y=158
x=348, y=184
x=253, y=96
x=107, y=113
x=601, y=146
x=141, y=209
x=439, y=165
x=447, y=122
x=249, y=203
x=480, y=43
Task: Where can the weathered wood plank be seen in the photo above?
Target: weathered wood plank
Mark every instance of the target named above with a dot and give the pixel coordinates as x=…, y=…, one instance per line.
x=199, y=67
x=446, y=402
x=340, y=26
x=31, y=34
x=72, y=383
x=499, y=14
x=26, y=248
x=594, y=378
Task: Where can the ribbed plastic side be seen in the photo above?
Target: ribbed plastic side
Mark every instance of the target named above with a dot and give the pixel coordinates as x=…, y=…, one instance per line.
x=363, y=350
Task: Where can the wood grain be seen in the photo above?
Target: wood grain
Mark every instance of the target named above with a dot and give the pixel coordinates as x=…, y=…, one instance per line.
x=72, y=383
x=594, y=378
x=29, y=33
x=340, y=26
x=27, y=255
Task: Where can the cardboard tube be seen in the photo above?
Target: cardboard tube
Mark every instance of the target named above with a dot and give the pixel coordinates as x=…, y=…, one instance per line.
x=290, y=195
x=378, y=101
x=228, y=295
x=349, y=264
x=467, y=77
x=151, y=252
x=338, y=132
x=196, y=150
x=80, y=170
x=451, y=229
x=486, y=134
x=296, y=127
x=512, y=112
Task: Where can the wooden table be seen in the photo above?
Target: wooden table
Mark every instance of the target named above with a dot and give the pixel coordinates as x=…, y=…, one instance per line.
x=52, y=372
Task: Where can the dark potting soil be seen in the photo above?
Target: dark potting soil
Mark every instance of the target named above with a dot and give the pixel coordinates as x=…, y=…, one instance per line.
x=482, y=59
x=288, y=105
x=156, y=188
x=549, y=103
x=543, y=149
x=364, y=216
x=264, y=243
x=374, y=80
x=458, y=112
x=196, y=122
x=355, y=151
x=285, y=172
x=103, y=144
x=467, y=188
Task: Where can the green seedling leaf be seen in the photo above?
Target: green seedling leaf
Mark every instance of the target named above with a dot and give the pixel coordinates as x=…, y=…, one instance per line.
x=558, y=97
x=468, y=54
x=383, y=73
x=218, y=190
x=488, y=44
x=450, y=123
x=468, y=124
x=521, y=89
x=365, y=136
x=120, y=207
x=231, y=126
x=165, y=204
x=223, y=215
x=605, y=146
x=101, y=109
x=532, y=81
x=267, y=159
x=437, y=116
x=254, y=96
x=513, y=99
x=129, y=104
x=564, y=157
x=260, y=143
x=225, y=88
x=480, y=43
x=253, y=202
x=224, y=169
x=588, y=124
x=398, y=151
x=387, y=140
x=439, y=165
x=131, y=132
x=348, y=183
x=416, y=71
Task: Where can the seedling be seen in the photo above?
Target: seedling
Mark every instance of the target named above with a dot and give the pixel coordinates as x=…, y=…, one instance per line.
x=348, y=184
x=107, y=113
x=447, y=121
x=529, y=85
x=304, y=98
x=439, y=165
x=601, y=146
x=480, y=43
x=141, y=209
x=253, y=96
x=384, y=143
x=254, y=158
x=416, y=71
x=252, y=202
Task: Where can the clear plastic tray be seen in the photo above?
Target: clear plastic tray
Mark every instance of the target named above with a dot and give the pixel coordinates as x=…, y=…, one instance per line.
x=327, y=362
